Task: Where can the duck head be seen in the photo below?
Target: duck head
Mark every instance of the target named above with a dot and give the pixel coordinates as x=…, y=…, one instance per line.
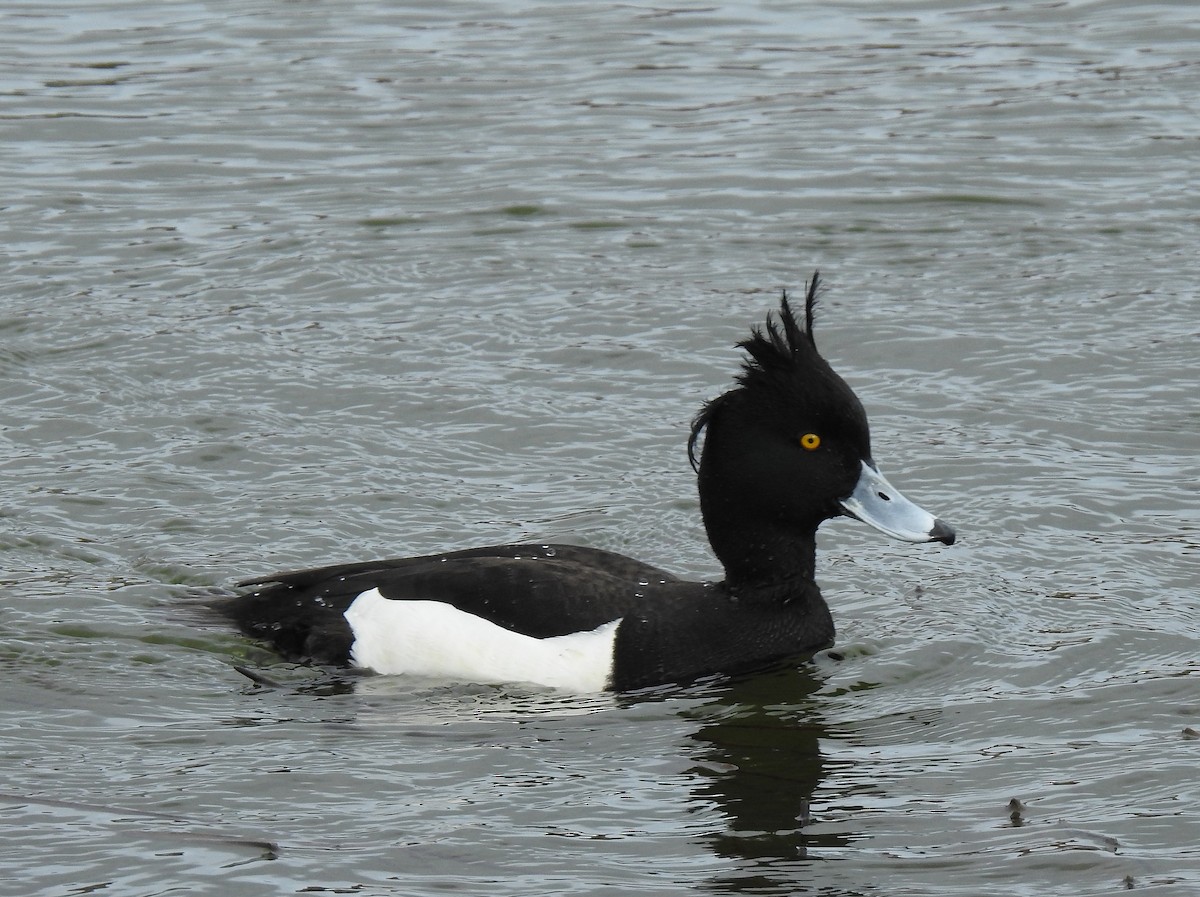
x=787, y=448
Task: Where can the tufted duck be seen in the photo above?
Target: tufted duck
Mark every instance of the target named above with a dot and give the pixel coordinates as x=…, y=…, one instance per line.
x=783, y=450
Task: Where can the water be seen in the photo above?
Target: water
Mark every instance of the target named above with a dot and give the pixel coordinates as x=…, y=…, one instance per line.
x=295, y=283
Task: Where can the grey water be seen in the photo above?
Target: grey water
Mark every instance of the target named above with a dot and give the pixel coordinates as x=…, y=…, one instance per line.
x=295, y=283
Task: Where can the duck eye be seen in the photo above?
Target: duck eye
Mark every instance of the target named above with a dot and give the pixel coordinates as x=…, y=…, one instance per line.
x=810, y=442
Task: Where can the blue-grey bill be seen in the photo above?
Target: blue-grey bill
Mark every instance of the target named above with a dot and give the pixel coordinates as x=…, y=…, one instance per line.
x=878, y=503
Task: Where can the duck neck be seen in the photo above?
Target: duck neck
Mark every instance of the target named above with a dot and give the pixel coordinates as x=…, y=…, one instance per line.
x=766, y=560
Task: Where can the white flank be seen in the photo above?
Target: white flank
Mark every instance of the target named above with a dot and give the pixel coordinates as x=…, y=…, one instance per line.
x=430, y=638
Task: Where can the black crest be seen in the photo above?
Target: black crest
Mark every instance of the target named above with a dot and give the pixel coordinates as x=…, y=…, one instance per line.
x=780, y=344
x=779, y=348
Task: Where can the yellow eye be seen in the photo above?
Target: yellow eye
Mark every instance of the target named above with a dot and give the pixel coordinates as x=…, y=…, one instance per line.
x=810, y=442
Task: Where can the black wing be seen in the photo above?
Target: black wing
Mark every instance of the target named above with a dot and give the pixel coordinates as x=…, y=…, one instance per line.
x=537, y=590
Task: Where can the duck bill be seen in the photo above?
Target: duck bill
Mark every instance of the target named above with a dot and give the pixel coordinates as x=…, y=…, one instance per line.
x=878, y=503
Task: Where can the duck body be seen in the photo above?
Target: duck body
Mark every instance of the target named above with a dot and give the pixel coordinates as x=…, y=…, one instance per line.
x=645, y=625
x=787, y=448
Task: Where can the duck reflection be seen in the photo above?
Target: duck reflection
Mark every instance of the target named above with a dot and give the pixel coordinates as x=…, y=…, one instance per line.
x=758, y=752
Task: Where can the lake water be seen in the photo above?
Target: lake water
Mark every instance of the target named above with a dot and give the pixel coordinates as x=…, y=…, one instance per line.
x=295, y=283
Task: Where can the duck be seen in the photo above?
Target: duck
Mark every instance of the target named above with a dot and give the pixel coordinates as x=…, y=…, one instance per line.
x=786, y=448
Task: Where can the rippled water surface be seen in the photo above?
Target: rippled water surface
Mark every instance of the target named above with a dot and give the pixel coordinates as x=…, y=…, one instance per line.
x=290, y=283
